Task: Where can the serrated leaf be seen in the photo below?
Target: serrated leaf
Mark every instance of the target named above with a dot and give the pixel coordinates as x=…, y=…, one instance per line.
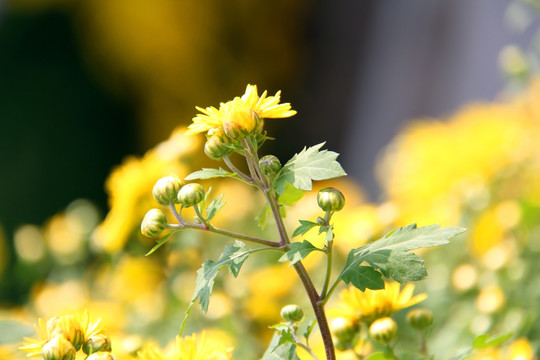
x=298, y=251
x=162, y=241
x=13, y=331
x=390, y=256
x=275, y=351
x=304, y=227
x=233, y=256
x=214, y=207
x=290, y=195
x=485, y=340
x=363, y=277
x=308, y=330
x=206, y=173
x=261, y=218
x=308, y=165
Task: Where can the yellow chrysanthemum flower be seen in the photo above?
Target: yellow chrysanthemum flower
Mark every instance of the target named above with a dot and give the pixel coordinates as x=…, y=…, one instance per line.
x=370, y=305
x=194, y=347
x=74, y=328
x=242, y=111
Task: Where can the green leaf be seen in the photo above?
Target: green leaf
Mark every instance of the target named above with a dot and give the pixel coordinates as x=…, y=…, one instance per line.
x=233, y=256
x=278, y=351
x=290, y=196
x=261, y=218
x=363, y=277
x=485, y=340
x=214, y=207
x=13, y=331
x=308, y=330
x=297, y=252
x=380, y=356
x=209, y=174
x=308, y=165
x=304, y=227
x=162, y=241
x=389, y=254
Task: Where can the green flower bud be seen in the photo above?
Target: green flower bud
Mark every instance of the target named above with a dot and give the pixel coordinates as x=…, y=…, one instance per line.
x=420, y=318
x=102, y=355
x=97, y=342
x=343, y=329
x=191, y=194
x=154, y=222
x=383, y=330
x=269, y=165
x=166, y=189
x=330, y=199
x=292, y=312
x=59, y=348
x=341, y=345
x=217, y=144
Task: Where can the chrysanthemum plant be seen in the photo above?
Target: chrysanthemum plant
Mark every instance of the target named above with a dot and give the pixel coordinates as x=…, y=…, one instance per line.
x=237, y=126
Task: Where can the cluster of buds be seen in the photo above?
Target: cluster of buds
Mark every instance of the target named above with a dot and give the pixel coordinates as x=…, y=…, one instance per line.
x=345, y=333
x=65, y=335
x=170, y=190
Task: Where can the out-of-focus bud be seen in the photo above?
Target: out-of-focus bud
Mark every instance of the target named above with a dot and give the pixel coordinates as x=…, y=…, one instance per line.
x=240, y=120
x=191, y=194
x=420, y=318
x=343, y=329
x=383, y=330
x=217, y=145
x=97, y=342
x=58, y=348
x=513, y=61
x=68, y=326
x=102, y=355
x=292, y=312
x=154, y=222
x=269, y=165
x=341, y=345
x=166, y=189
x=330, y=199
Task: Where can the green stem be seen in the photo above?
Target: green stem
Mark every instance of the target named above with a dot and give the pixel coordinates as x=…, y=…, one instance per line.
x=328, y=269
x=331, y=291
x=231, y=166
x=308, y=350
x=233, y=235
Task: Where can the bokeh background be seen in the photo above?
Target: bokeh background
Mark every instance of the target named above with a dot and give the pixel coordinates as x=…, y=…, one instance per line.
x=86, y=84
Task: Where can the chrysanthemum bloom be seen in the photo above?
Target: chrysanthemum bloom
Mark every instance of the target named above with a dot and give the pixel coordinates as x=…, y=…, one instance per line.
x=74, y=328
x=242, y=114
x=194, y=347
x=370, y=305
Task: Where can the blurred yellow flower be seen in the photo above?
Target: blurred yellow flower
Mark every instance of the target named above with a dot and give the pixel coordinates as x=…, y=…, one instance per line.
x=130, y=188
x=263, y=107
x=194, y=347
x=370, y=305
x=520, y=349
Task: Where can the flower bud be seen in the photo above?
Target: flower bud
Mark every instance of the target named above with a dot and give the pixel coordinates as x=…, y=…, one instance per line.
x=97, y=342
x=330, y=199
x=341, y=345
x=154, y=222
x=102, y=355
x=239, y=120
x=217, y=146
x=59, y=348
x=269, y=165
x=292, y=312
x=420, y=318
x=166, y=189
x=69, y=326
x=191, y=194
x=383, y=330
x=343, y=329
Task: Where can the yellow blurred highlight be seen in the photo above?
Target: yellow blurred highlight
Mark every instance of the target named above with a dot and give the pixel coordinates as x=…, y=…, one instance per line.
x=490, y=299
x=29, y=243
x=56, y=299
x=464, y=277
x=521, y=349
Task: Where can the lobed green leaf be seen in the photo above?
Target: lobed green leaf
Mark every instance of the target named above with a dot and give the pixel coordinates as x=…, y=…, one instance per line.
x=214, y=206
x=298, y=251
x=308, y=165
x=304, y=227
x=390, y=255
x=209, y=174
x=161, y=241
x=233, y=256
